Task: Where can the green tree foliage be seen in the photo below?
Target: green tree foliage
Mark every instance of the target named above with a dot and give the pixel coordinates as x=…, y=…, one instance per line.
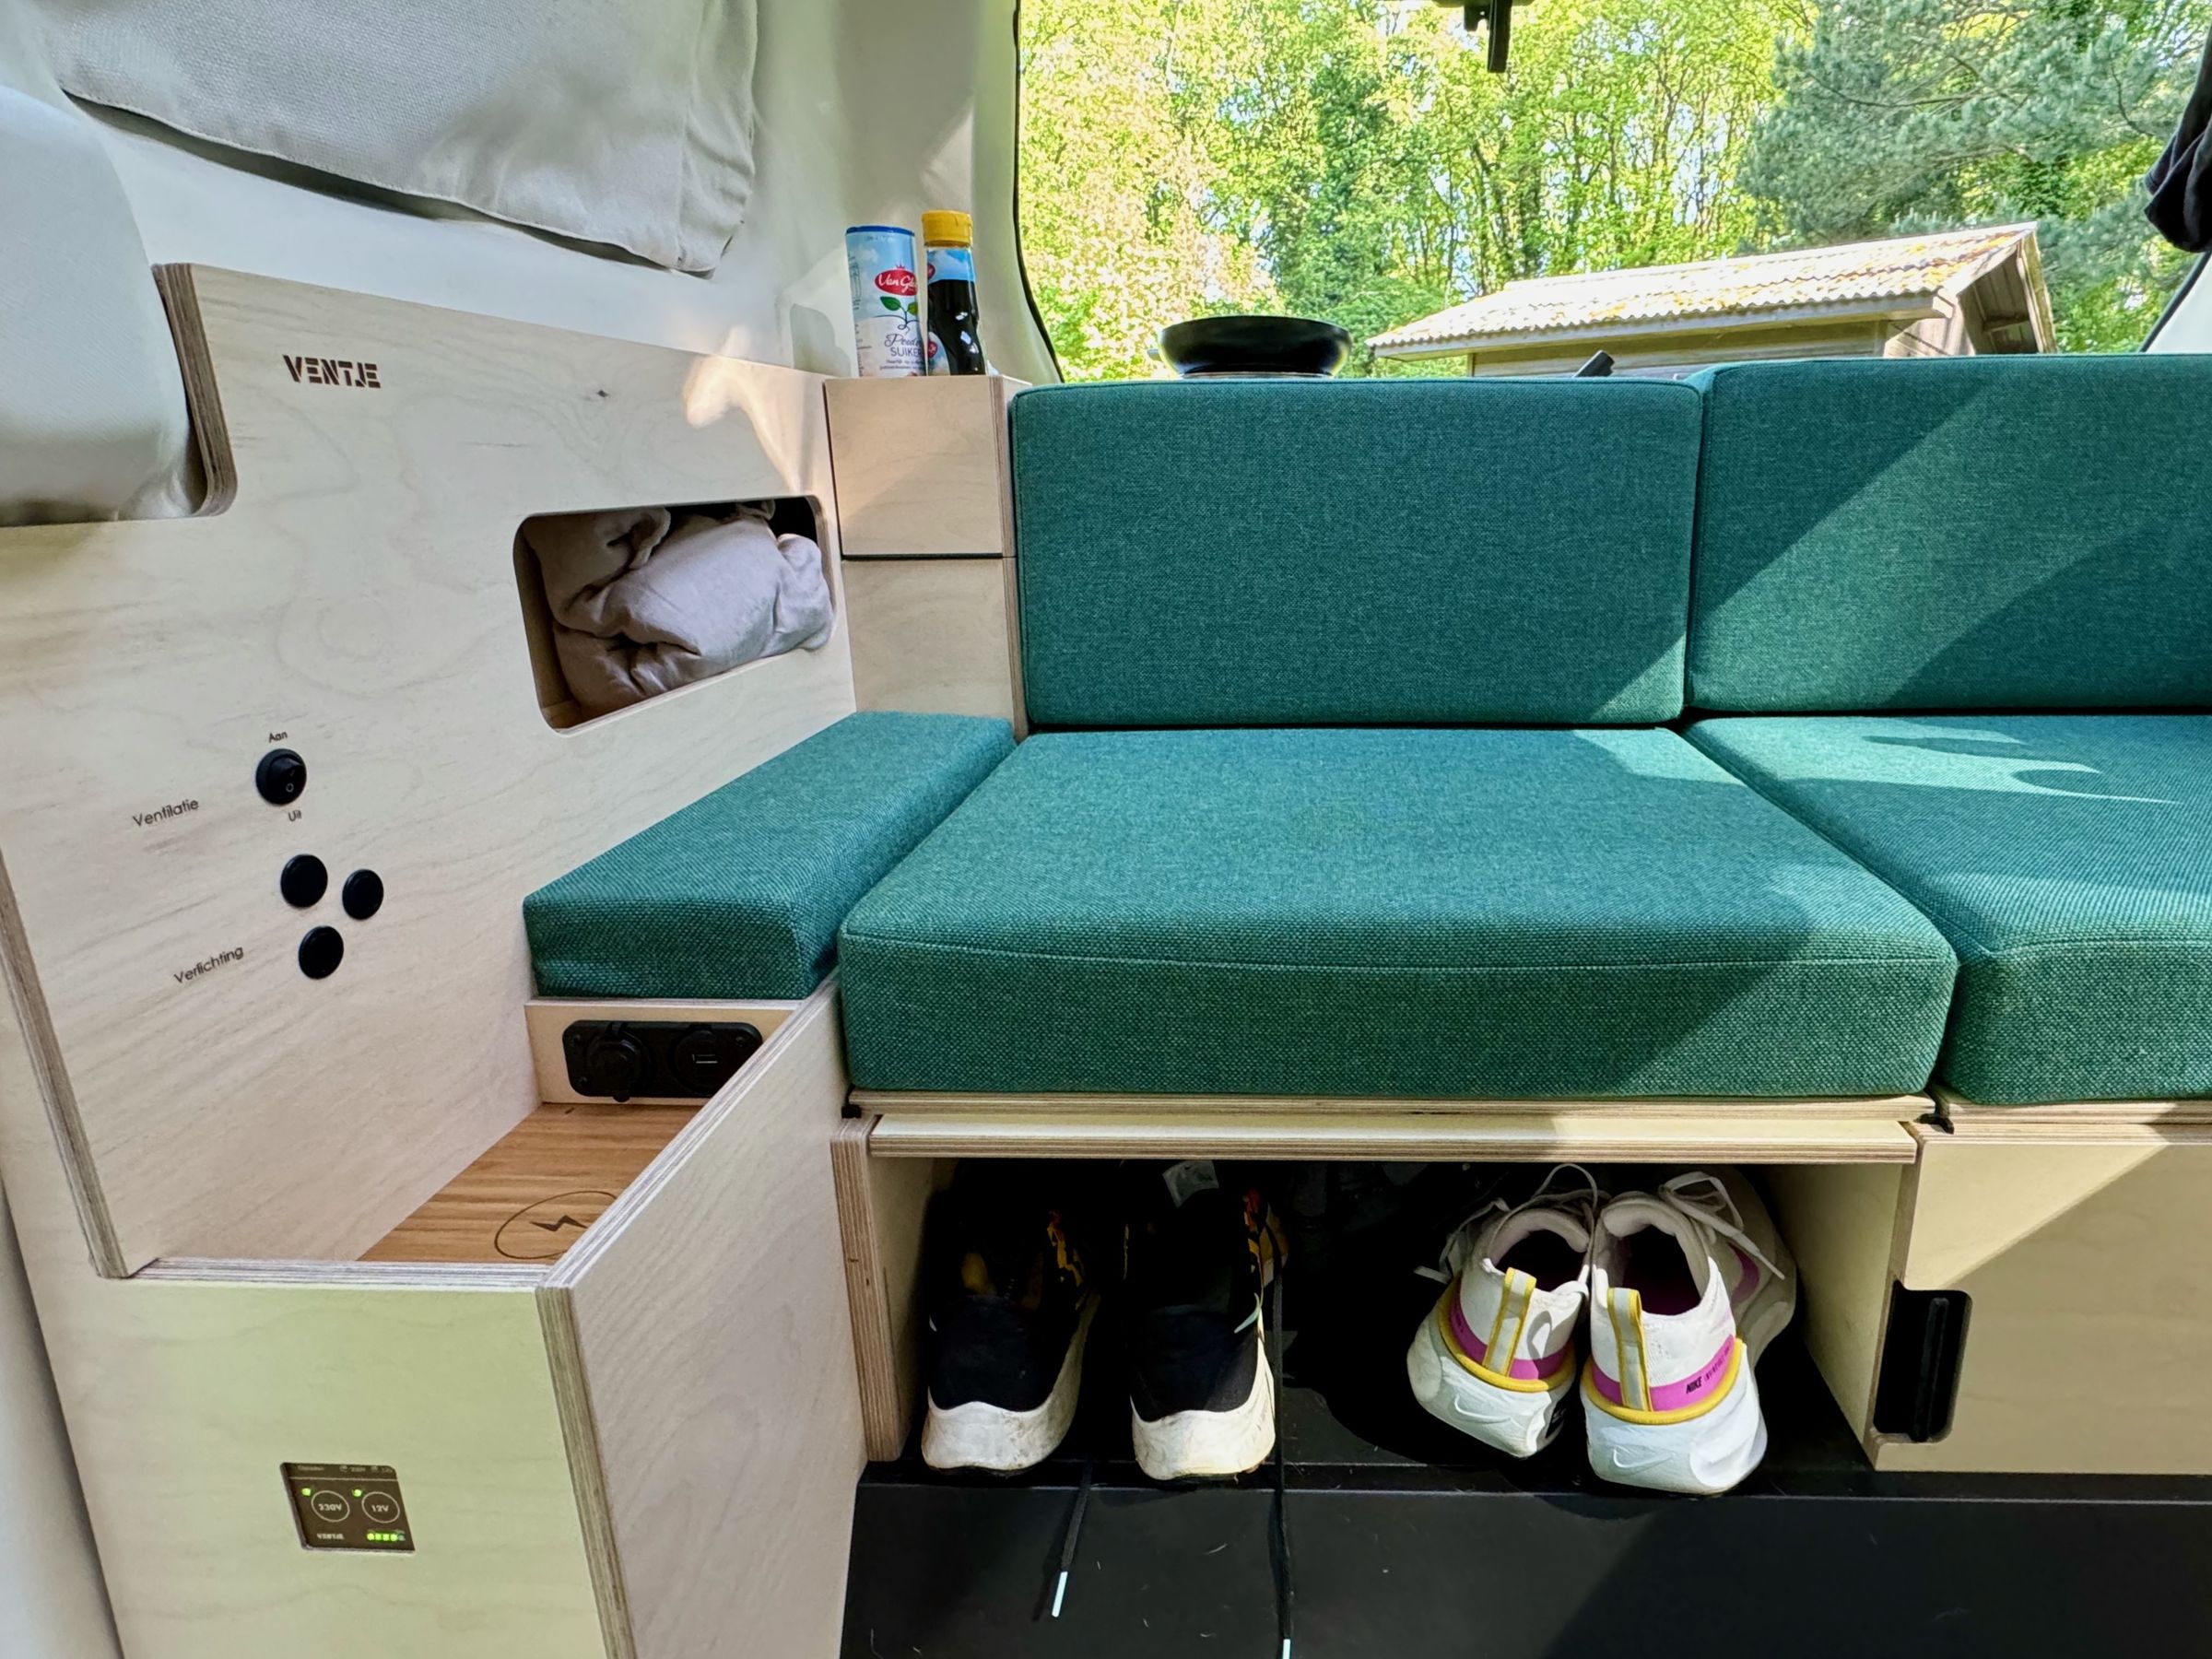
x=1898, y=115
x=1353, y=159
x=1120, y=235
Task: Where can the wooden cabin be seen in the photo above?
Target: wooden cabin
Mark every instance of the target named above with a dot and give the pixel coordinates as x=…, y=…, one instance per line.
x=1954, y=293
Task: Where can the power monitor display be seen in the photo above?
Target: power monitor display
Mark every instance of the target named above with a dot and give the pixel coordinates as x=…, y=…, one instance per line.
x=349, y=1506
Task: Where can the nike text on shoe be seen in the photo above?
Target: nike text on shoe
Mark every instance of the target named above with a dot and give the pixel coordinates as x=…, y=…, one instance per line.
x=1009, y=1308
x=1202, y=1249
x=1689, y=1285
x=1495, y=1356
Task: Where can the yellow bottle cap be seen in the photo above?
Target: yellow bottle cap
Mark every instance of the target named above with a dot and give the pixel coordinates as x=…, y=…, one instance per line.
x=939, y=227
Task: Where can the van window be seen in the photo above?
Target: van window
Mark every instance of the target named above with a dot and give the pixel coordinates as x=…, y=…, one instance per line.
x=1976, y=162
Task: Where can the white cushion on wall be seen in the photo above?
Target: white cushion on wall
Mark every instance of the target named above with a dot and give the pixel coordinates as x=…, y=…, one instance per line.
x=626, y=122
x=92, y=417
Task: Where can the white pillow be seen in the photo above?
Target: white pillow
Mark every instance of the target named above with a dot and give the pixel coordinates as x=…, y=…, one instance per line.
x=627, y=122
x=92, y=417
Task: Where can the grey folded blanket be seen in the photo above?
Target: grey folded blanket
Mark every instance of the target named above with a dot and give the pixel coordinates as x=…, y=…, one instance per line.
x=644, y=602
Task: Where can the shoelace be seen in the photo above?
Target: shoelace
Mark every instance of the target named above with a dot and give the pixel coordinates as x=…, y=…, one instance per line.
x=1286, y=1582
x=1584, y=1199
x=1705, y=1197
x=1074, y=1534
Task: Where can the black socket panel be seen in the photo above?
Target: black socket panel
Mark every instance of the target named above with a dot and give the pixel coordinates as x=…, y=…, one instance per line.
x=672, y=1059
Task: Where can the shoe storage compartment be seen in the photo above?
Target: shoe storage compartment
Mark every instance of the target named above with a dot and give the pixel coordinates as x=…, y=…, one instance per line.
x=1387, y=1507
x=2017, y=1289
x=889, y=1160
x=276, y=1217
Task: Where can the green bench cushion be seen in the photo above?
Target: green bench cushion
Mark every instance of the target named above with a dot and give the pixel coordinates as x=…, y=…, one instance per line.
x=1470, y=914
x=1357, y=552
x=2068, y=857
x=739, y=894
x=1973, y=533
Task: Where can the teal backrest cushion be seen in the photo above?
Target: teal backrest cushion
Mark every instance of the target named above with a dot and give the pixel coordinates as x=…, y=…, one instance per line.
x=740, y=895
x=1353, y=552
x=1962, y=532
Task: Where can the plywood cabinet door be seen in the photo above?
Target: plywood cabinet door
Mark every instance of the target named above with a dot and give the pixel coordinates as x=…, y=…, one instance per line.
x=712, y=1350
x=2087, y=1254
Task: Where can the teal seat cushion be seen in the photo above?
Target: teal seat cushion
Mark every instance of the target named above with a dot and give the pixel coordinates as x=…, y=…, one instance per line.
x=739, y=895
x=1417, y=912
x=1356, y=552
x=1965, y=532
x=2068, y=859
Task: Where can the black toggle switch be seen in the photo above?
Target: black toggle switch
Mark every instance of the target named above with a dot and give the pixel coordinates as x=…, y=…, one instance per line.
x=304, y=881
x=281, y=777
x=363, y=894
x=321, y=952
x=617, y=1065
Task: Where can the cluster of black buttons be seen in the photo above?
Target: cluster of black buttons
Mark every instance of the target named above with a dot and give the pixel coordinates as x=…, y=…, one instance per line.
x=281, y=779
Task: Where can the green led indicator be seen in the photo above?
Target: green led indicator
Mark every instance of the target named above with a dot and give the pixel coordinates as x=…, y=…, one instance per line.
x=357, y=1492
x=305, y=1491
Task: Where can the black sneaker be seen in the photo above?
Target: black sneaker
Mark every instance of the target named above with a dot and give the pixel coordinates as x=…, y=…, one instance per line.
x=1201, y=1248
x=1008, y=1295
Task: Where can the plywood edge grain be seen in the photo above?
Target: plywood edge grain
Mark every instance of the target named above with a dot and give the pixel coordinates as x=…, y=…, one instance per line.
x=1885, y=1107
x=874, y=1357
x=1960, y=1111
x=882, y=1205
x=587, y=1468
x=202, y=394
x=1392, y=1138
x=356, y=1275
x=51, y=1077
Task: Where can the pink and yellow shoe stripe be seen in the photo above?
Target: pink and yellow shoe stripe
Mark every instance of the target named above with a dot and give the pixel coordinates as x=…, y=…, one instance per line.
x=1524, y=1376
x=1678, y=1402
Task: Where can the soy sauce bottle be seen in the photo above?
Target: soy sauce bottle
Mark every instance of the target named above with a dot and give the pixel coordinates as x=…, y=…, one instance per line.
x=955, y=346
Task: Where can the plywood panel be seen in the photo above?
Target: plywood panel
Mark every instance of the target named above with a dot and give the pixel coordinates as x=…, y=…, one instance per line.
x=881, y=1206
x=1798, y=1138
x=530, y=1196
x=931, y=636
x=206, y=1388
x=1842, y=1223
x=921, y=466
x=2087, y=1254
x=714, y=1342
x=186, y=1387
x=1885, y=1107
x=357, y=603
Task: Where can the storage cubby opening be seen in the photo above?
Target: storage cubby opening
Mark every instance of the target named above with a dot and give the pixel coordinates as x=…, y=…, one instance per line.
x=557, y=699
x=1365, y=1241
x=534, y=1192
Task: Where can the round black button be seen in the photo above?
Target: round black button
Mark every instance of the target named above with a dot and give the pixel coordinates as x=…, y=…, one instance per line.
x=281, y=777
x=321, y=952
x=363, y=894
x=304, y=881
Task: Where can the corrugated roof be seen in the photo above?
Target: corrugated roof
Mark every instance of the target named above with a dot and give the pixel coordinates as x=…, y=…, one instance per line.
x=1902, y=266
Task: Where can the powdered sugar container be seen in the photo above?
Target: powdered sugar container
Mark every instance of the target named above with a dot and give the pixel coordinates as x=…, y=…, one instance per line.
x=886, y=300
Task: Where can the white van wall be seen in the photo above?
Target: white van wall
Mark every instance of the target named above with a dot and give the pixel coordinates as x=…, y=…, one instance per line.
x=867, y=115
x=2188, y=328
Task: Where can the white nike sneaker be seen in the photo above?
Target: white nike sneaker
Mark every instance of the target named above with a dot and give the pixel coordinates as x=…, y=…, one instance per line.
x=1688, y=1287
x=1494, y=1358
